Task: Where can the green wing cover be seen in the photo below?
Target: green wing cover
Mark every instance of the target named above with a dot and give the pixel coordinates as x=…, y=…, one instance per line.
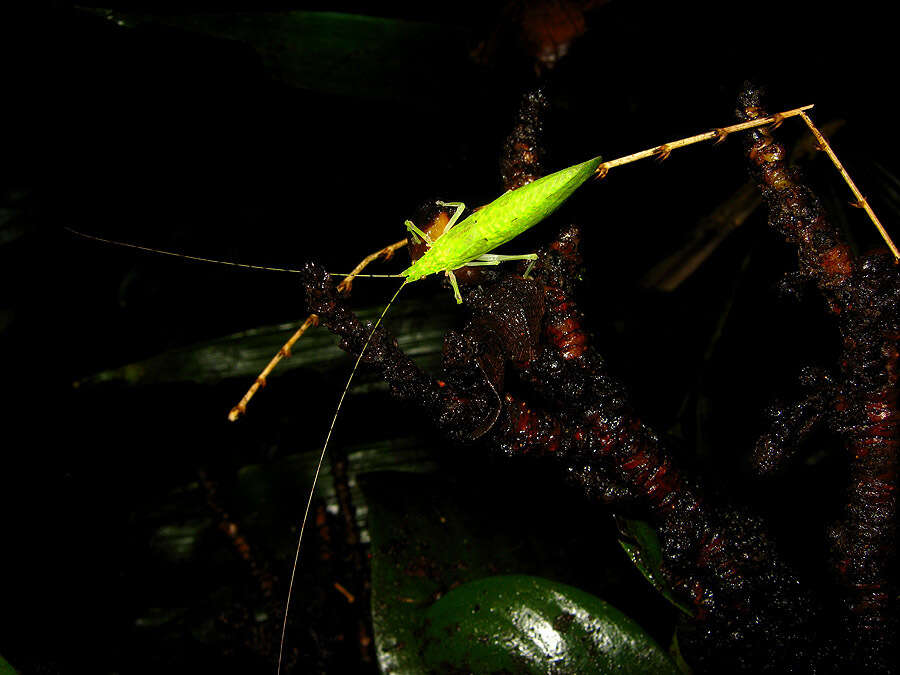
x=502, y=220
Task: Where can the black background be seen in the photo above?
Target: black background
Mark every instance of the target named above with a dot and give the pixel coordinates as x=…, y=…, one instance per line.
x=181, y=142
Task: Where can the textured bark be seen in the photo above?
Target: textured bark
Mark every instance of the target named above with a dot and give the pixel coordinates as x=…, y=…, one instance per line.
x=861, y=402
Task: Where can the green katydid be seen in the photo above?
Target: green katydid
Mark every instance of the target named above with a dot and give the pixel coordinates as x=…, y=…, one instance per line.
x=470, y=242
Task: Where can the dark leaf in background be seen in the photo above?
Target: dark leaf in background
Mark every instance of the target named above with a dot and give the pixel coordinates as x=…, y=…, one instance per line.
x=14, y=218
x=345, y=54
x=419, y=327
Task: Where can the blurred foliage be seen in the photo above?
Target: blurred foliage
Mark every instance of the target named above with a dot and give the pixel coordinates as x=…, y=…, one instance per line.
x=344, y=54
x=5, y=668
x=245, y=354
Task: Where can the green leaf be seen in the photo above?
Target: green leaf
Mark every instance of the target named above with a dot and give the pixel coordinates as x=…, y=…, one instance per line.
x=5, y=668
x=430, y=536
x=349, y=54
x=526, y=624
x=641, y=544
x=423, y=543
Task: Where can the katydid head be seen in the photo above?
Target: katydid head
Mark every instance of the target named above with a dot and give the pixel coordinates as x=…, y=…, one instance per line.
x=435, y=218
x=432, y=219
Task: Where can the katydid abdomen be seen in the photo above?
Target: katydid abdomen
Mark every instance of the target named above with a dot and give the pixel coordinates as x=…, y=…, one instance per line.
x=500, y=221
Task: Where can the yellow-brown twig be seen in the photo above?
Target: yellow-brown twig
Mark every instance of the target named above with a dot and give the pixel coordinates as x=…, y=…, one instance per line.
x=387, y=253
x=663, y=151
x=311, y=320
x=659, y=151
x=860, y=200
x=343, y=591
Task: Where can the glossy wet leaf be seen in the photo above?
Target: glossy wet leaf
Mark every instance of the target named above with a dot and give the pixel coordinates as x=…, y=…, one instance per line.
x=430, y=535
x=348, y=54
x=419, y=330
x=641, y=543
x=527, y=624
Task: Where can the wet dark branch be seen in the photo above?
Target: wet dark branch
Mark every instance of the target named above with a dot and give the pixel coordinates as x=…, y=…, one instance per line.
x=794, y=211
x=463, y=406
x=790, y=423
x=719, y=561
x=522, y=158
x=863, y=294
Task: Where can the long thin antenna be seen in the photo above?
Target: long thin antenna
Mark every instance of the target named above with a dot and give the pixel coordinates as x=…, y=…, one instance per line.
x=365, y=276
x=312, y=489
x=860, y=200
x=180, y=255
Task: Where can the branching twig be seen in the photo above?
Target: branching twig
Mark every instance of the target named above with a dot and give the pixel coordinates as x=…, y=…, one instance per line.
x=312, y=320
x=864, y=294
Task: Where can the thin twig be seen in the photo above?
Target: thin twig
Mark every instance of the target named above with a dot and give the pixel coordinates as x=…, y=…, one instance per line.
x=312, y=320
x=387, y=253
x=660, y=151
x=668, y=274
x=860, y=200
x=663, y=151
